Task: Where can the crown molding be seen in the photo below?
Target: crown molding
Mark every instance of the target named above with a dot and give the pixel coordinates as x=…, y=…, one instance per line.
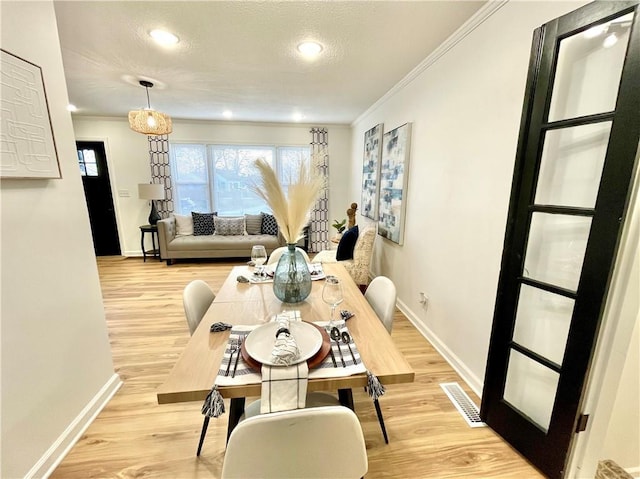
x=469, y=26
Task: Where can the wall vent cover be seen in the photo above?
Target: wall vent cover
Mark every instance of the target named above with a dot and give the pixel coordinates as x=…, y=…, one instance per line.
x=463, y=404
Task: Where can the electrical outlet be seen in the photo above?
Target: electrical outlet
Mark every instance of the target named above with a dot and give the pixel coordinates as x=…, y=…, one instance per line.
x=423, y=300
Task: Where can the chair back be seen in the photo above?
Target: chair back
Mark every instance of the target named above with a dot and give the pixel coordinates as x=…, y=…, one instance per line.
x=277, y=253
x=317, y=442
x=196, y=298
x=362, y=251
x=381, y=295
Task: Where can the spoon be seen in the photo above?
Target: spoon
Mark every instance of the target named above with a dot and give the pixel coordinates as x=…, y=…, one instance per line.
x=347, y=339
x=335, y=335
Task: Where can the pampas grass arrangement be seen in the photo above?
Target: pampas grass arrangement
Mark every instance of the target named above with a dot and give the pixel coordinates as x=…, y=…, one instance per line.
x=292, y=212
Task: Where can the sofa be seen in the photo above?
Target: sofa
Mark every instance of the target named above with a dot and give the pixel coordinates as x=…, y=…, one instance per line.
x=174, y=244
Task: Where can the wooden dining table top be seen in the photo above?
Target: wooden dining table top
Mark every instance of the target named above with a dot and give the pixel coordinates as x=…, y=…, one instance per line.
x=239, y=303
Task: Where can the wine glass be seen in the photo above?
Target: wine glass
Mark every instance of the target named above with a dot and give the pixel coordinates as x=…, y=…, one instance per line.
x=259, y=257
x=332, y=295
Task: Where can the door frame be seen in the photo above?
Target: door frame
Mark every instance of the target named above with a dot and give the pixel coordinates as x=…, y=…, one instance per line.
x=114, y=192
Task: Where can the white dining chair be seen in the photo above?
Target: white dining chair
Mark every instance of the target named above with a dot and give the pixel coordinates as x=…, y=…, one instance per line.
x=196, y=299
x=310, y=443
x=381, y=295
x=277, y=253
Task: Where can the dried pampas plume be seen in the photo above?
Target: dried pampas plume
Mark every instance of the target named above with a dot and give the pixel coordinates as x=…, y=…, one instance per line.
x=291, y=213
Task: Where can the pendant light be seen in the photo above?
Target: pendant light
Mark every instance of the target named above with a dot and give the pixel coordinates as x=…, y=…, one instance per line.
x=148, y=121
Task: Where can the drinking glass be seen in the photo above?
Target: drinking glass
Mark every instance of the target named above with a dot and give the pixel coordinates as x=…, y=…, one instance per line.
x=259, y=257
x=332, y=295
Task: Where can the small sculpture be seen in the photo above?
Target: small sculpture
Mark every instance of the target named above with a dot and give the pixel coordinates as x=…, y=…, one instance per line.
x=351, y=213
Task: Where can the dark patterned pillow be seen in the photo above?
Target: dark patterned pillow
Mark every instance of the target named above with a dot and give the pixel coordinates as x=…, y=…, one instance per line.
x=269, y=224
x=253, y=224
x=202, y=223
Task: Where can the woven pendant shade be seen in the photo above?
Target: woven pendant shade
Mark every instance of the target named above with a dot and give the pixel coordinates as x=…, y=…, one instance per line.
x=150, y=122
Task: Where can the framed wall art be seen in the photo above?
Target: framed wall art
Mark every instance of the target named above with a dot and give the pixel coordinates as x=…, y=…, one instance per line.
x=394, y=168
x=26, y=139
x=371, y=172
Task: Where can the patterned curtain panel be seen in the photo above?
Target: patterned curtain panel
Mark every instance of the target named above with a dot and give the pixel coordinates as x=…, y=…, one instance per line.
x=161, y=171
x=319, y=224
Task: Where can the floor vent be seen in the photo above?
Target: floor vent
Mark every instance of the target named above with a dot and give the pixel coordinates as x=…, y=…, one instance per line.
x=463, y=404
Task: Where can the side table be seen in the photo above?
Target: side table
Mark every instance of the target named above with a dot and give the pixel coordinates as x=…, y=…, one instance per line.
x=155, y=252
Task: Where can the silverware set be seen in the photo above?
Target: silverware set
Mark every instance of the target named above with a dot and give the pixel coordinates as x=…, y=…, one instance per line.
x=235, y=349
x=346, y=339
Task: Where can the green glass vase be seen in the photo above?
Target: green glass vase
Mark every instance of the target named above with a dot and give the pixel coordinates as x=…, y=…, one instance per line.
x=292, y=280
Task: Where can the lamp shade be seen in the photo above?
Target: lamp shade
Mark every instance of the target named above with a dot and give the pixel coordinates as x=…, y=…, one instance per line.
x=150, y=122
x=151, y=191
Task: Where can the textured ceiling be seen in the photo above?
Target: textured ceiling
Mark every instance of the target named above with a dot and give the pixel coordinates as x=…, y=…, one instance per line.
x=241, y=55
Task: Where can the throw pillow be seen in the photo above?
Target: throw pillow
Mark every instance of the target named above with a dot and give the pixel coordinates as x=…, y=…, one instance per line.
x=253, y=224
x=202, y=223
x=184, y=224
x=226, y=226
x=269, y=224
x=347, y=243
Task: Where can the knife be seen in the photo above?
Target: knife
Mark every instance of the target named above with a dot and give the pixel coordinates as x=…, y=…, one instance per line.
x=344, y=365
x=333, y=358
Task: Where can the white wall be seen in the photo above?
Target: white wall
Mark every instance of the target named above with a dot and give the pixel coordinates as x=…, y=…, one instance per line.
x=128, y=159
x=55, y=351
x=465, y=108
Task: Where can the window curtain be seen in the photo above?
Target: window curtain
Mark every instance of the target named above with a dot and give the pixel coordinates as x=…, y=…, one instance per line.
x=319, y=217
x=161, y=171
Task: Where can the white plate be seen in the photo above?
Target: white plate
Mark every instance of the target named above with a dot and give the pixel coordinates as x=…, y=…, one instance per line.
x=260, y=341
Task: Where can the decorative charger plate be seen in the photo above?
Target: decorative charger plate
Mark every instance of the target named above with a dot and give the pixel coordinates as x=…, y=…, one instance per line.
x=312, y=340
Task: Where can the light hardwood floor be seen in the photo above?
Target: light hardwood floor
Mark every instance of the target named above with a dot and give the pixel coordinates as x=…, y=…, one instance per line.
x=135, y=437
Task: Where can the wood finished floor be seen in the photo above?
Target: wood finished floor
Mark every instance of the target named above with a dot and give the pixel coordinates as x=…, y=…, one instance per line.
x=134, y=437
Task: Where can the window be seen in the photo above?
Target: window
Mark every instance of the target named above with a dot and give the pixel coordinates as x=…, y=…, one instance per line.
x=87, y=162
x=217, y=177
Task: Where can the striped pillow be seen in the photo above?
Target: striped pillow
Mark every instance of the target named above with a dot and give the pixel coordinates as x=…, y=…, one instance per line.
x=253, y=224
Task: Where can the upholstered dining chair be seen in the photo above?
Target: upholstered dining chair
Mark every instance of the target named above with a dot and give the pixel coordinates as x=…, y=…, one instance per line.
x=381, y=295
x=196, y=299
x=358, y=267
x=277, y=253
x=310, y=443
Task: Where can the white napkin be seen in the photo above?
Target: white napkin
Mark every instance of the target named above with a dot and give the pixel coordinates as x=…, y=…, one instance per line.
x=284, y=386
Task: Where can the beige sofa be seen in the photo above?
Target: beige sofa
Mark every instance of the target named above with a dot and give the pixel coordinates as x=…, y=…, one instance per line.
x=174, y=246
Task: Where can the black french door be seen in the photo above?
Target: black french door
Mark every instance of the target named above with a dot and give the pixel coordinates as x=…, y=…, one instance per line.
x=573, y=175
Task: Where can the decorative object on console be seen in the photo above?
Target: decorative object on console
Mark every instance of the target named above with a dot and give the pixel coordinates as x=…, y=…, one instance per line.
x=351, y=214
x=371, y=171
x=151, y=191
x=292, y=280
x=28, y=146
x=148, y=121
x=396, y=145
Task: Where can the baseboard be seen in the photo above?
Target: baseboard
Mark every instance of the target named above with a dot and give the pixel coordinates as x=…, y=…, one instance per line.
x=61, y=447
x=465, y=373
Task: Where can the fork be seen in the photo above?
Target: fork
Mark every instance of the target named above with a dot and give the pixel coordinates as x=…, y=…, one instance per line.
x=234, y=348
x=235, y=365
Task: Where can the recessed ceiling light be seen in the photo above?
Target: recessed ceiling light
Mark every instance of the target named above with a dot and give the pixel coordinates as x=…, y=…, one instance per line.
x=71, y=107
x=310, y=49
x=298, y=116
x=163, y=37
x=227, y=113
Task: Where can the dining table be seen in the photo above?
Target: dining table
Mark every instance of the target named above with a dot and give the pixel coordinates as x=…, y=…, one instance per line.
x=241, y=303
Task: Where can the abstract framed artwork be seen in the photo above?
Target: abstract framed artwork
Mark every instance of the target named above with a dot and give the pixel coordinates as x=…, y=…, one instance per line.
x=396, y=145
x=26, y=142
x=371, y=172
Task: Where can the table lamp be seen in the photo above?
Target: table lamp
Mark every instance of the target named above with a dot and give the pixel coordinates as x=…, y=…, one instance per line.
x=151, y=191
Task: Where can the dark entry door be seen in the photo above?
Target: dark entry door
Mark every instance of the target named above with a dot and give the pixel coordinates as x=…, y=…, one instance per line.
x=574, y=167
x=97, y=191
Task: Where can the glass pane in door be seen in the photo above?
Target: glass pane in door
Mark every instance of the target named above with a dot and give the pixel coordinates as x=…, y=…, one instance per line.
x=542, y=322
x=555, y=250
x=531, y=388
x=571, y=165
x=588, y=70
